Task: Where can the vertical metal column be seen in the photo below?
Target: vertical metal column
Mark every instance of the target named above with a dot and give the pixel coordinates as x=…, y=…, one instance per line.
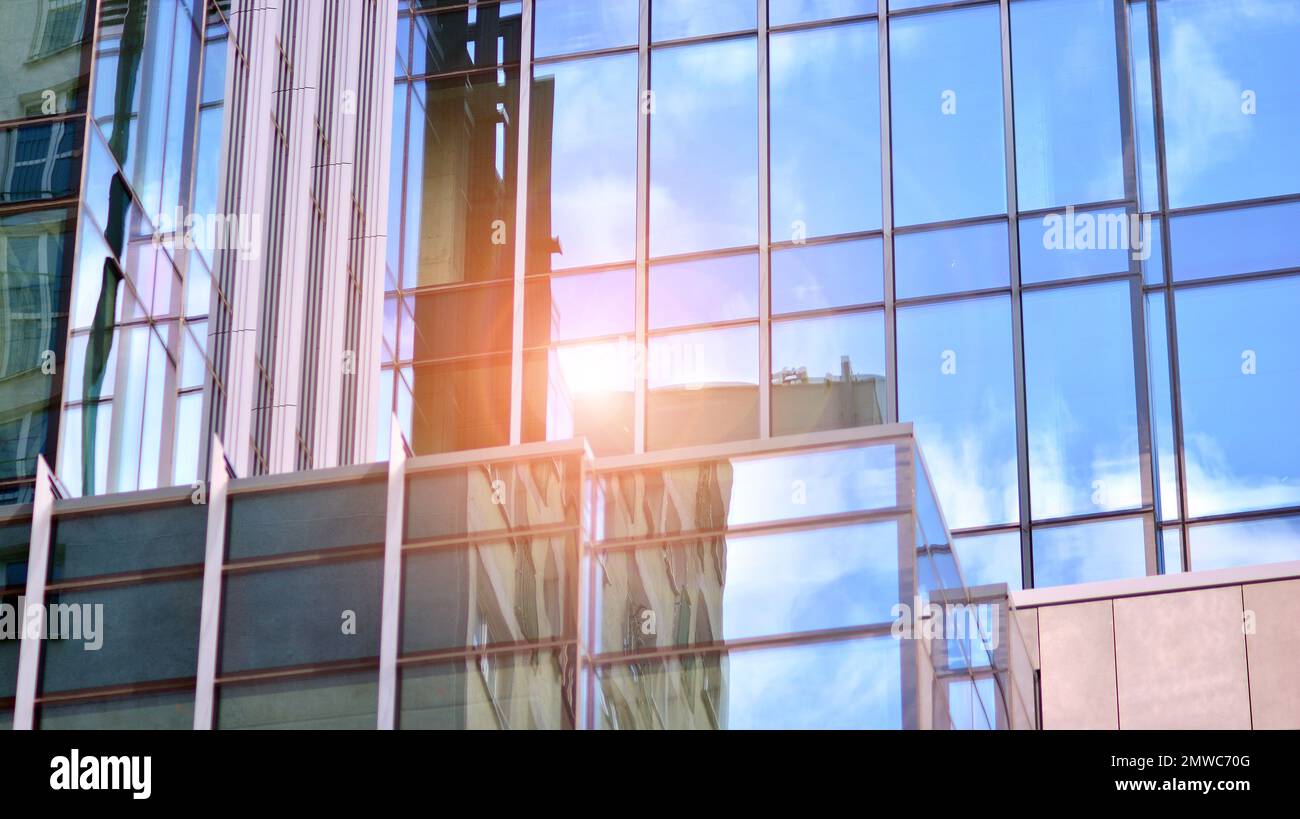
x=210, y=613
x=639, y=349
x=32, y=630
x=887, y=220
x=764, y=229
x=391, y=610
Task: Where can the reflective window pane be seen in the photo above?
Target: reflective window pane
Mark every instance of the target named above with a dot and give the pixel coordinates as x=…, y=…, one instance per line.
x=704, y=147
x=464, y=500
x=1235, y=241
x=328, y=516
x=40, y=161
x=1072, y=244
x=990, y=559
x=675, y=19
x=834, y=274
x=347, y=701
x=1069, y=149
x=825, y=131
x=783, y=12
x=1144, y=114
x=828, y=372
x=485, y=35
x=128, y=540
x=1171, y=550
x=946, y=103
x=703, y=291
x=570, y=26
x=579, y=305
x=170, y=711
x=1088, y=552
x=462, y=321
x=1162, y=409
x=702, y=387
x=582, y=164
x=1232, y=108
x=498, y=692
x=581, y=390
x=1081, y=400
x=1244, y=543
x=40, y=51
x=1240, y=383
x=934, y=262
x=956, y=385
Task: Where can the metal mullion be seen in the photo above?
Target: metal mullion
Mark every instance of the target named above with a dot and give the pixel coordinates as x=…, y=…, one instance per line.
x=826, y=23
x=1130, y=197
x=1093, y=517
x=947, y=224
x=391, y=595
x=1264, y=275
x=738, y=34
x=38, y=561
x=574, y=56
x=948, y=298
x=521, y=223
x=703, y=327
x=764, y=228
x=942, y=6
x=887, y=220
x=639, y=410
x=1242, y=517
x=1017, y=309
x=1059, y=284
x=1236, y=204
x=827, y=312
x=832, y=239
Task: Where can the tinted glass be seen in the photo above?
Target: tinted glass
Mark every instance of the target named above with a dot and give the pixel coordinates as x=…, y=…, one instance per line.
x=673, y=19
x=482, y=36
x=333, y=702
x=171, y=711
x=990, y=559
x=1235, y=241
x=498, y=692
x=703, y=387
x=825, y=131
x=933, y=262
x=1243, y=543
x=704, y=147
x=956, y=384
x=581, y=390
x=1080, y=395
x=1240, y=384
x=1074, y=244
x=322, y=517
x=40, y=161
x=568, y=26
x=782, y=12
x=836, y=274
x=828, y=372
x=703, y=291
x=946, y=102
x=1088, y=552
x=460, y=405
x=128, y=540
x=492, y=498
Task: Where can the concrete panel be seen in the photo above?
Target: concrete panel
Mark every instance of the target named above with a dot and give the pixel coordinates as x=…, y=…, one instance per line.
x=1273, y=653
x=1181, y=660
x=1077, y=651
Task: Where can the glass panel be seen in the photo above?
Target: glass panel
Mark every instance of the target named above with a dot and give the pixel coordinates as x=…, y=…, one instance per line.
x=327, y=516
x=1162, y=408
x=1144, y=113
x=462, y=321
x=836, y=274
x=956, y=384
x=1077, y=244
x=488, y=593
x=486, y=35
x=42, y=50
x=40, y=161
x=675, y=19
x=494, y=692
x=702, y=291
x=461, y=405
x=492, y=498
x=935, y=262
x=1081, y=400
x=1066, y=152
x=1236, y=241
x=990, y=559
x=460, y=180
x=702, y=387
x=579, y=305
x=719, y=588
x=783, y=12
x=1171, y=547
x=171, y=711
x=582, y=390
x=318, y=605
x=128, y=540
x=744, y=491
x=14, y=541
x=582, y=163
x=1231, y=106
x=1244, y=543
x=825, y=131
x=828, y=372
x=1087, y=552
x=333, y=702
x=704, y=146
x=135, y=644
x=569, y=26
x=1240, y=385
x=843, y=685
x=946, y=102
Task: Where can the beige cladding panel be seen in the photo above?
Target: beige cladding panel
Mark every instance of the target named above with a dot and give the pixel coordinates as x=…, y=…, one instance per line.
x=1274, y=653
x=1078, y=660
x=1181, y=660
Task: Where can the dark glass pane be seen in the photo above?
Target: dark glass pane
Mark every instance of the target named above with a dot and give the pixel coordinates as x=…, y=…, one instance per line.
x=956, y=385
x=1244, y=543
x=317, y=605
x=828, y=372
x=569, y=26
x=733, y=588
x=674, y=19
x=333, y=702
x=1236, y=241
x=461, y=175
x=990, y=559
x=146, y=632
x=581, y=390
x=1240, y=383
x=1077, y=244
x=128, y=540
x=1069, y=149
x=1081, y=397
x=170, y=711
x=934, y=262
x=517, y=591
x=578, y=306
x=704, y=147
x=1232, y=108
x=328, y=516
x=702, y=387
x=41, y=50
x=461, y=405
x=783, y=12
x=853, y=684
x=582, y=164
x=835, y=274
x=495, y=692
x=825, y=98
x=702, y=291
x=1088, y=552
x=463, y=321
x=40, y=161
x=946, y=102
x=482, y=36
x=14, y=541
x=492, y=498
